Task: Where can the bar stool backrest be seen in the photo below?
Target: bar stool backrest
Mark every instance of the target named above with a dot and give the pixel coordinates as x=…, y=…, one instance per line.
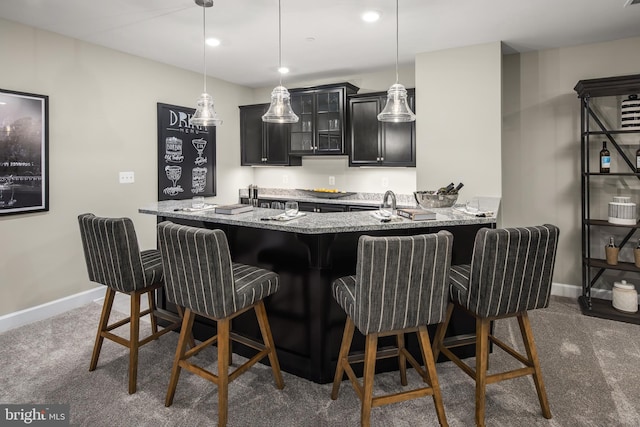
x=402, y=281
x=112, y=253
x=512, y=269
x=198, y=272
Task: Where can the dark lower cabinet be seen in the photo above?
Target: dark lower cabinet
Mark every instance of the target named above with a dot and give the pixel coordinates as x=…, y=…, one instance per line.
x=306, y=321
x=321, y=207
x=374, y=143
x=362, y=208
x=263, y=143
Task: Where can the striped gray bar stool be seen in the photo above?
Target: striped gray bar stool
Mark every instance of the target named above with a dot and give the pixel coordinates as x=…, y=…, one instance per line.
x=401, y=285
x=200, y=276
x=114, y=260
x=510, y=273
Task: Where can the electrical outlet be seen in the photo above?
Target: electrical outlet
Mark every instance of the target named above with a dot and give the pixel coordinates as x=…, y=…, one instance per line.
x=385, y=181
x=285, y=179
x=127, y=178
x=332, y=180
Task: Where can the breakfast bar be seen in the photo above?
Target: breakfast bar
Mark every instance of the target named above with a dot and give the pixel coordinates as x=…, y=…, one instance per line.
x=308, y=253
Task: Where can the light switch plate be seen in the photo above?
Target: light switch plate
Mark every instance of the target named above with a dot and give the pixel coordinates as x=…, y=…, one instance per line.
x=332, y=180
x=127, y=177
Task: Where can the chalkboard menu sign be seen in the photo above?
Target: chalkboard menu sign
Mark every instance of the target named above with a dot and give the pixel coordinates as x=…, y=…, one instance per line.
x=186, y=155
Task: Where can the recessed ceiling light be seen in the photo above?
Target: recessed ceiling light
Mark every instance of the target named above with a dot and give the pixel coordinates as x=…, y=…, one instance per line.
x=371, y=16
x=283, y=70
x=213, y=42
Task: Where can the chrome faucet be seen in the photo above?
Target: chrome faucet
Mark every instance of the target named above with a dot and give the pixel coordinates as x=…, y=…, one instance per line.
x=391, y=194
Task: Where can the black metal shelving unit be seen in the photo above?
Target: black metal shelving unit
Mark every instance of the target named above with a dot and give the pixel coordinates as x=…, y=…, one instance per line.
x=592, y=125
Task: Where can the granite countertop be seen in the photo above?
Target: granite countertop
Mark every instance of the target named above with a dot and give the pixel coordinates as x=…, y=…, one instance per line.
x=311, y=222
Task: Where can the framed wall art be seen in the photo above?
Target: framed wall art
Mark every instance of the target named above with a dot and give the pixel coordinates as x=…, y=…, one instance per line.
x=24, y=152
x=186, y=155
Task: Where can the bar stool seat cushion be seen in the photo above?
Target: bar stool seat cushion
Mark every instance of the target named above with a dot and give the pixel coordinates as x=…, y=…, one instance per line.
x=253, y=284
x=459, y=276
x=151, y=266
x=344, y=292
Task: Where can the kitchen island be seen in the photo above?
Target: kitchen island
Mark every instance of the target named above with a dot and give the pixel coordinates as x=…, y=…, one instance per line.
x=309, y=253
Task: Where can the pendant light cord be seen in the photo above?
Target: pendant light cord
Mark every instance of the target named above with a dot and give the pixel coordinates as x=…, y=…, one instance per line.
x=204, y=46
x=280, y=40
x=397, y=79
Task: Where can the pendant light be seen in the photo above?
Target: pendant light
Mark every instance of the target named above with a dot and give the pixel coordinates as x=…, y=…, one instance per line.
x=205, y=115
x=280, y=110
x=397, y=108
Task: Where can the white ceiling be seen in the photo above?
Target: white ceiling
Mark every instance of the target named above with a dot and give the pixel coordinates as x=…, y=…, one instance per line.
x=170, y=31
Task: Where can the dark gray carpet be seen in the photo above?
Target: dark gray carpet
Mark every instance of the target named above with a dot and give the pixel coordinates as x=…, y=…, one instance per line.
x=591, y=368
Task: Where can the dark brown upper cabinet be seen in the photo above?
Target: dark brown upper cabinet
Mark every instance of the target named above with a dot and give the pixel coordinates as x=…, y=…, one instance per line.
x=263, y=143
x=375, y=143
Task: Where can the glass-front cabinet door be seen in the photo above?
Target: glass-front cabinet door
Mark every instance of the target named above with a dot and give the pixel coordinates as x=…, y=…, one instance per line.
x=321, y=128
x=329, y=121
x=302, y=132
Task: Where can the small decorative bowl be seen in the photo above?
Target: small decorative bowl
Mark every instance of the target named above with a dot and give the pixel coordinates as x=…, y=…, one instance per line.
x=430, y=199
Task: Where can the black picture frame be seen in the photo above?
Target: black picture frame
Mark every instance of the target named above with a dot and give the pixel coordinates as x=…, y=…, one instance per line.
x=24, y=152
x=186, y=155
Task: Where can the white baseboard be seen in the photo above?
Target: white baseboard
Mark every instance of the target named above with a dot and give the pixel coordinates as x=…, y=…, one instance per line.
x=52, y=308
x=564, y=290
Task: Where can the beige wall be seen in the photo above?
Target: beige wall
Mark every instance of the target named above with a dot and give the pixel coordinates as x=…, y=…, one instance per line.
x=541, y=138
x=459, y=132
x=102, y=120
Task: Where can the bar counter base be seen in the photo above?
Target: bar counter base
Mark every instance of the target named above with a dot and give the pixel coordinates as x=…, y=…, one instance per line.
x=306, y=322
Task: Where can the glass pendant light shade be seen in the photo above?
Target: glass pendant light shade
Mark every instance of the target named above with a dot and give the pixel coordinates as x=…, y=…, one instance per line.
x=205, y=115
x=280, y=110
x=397, y=109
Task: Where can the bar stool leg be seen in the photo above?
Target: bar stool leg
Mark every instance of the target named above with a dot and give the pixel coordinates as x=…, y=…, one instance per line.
x=438, y=339
x=192, y=342
x=430, y=368
x=102, y=327
x=223, y=370
x=152, y=309
x=532, y=354
x=185, y=334
x=267, y=338
x=402, y=359
x=482, y=353
x=347, y=336
x=134, y=341
x=370, y=348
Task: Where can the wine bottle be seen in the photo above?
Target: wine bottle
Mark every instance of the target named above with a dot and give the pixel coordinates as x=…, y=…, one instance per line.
x=455, y=190
x=605, y=159
x=612, y=243
x=447, y=189
x=638, y=160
